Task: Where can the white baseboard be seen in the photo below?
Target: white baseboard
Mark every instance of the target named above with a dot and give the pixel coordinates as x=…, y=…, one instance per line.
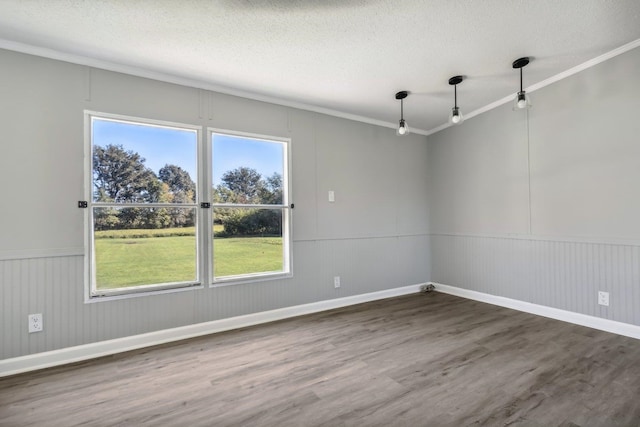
x=606, y=325
x=79, y=353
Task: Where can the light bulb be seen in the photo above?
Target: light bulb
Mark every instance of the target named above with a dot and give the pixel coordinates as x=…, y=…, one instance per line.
x=455, y=118
x=522, y=100
x=403, y=129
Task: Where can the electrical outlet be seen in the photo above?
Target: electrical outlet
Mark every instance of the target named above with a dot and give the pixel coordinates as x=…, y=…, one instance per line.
x=35, y=322
x=603, y=298
x=336, y=282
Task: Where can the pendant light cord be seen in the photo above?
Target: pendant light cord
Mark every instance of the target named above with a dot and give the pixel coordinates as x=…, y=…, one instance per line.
x=455, y=96
x=521, y=79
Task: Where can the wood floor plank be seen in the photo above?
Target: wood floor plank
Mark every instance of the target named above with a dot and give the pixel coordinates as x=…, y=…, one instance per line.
x=417, y=360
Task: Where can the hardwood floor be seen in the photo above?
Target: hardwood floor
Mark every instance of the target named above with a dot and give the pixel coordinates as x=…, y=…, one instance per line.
x=418, y=360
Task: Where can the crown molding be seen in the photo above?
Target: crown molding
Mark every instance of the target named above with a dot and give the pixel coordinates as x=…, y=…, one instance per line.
x=184, y=81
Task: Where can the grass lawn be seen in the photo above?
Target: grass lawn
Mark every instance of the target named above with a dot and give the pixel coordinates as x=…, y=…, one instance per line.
x=245, y=255
x=125, y=261
x=139, y=261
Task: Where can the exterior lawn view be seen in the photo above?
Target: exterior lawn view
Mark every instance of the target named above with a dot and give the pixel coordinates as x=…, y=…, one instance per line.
x=134, y=261
x=144, y=222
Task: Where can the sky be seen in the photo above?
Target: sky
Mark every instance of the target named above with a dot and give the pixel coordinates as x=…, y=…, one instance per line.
x=231, y=152
x=160, y=146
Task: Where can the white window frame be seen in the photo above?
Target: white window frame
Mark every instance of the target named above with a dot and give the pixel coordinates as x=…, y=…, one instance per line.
x=286, y=208
x=92, y=294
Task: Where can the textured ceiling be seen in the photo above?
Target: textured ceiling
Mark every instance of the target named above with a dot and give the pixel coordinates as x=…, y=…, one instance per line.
x=350, y=56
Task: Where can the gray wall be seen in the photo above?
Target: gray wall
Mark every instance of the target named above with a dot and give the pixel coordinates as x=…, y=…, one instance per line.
x=540, y=206
x=544, y=206
x=375, y=236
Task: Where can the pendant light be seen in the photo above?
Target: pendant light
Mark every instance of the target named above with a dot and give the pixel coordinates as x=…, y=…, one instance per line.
x=403, y=129
x=522, y=99
x=456, y=116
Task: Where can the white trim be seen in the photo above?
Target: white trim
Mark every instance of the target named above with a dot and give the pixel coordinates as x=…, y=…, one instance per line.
x=245, y=279
x=41, y=253
x=285, y=207
x=626, y=329
x=90, y=290
x=141, y=121
x=553, y=79
x=248, y=135
x=185, y=81
x=67, y=355
x=585, y=65
x=198, y=84
x=141, y=293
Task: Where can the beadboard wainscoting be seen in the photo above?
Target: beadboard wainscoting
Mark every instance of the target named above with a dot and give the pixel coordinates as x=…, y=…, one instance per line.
x=54, y=286
x=559, y=274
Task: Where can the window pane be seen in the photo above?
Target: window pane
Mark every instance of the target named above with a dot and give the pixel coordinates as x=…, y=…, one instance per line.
x=142, y=246
x=247, y=170
x=247, y=241
x=143, y=163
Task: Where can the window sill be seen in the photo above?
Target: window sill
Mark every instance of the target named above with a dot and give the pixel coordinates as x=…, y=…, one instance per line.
x=245, y=279
x=141, y=293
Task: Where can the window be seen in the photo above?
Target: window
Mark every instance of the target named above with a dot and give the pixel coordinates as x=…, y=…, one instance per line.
x=146, y=226
x=250, y=206
x=143, y=211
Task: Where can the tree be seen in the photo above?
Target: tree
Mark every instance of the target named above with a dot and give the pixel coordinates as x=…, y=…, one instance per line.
x=246, y=186
x=131, y=218
x=222, y=194
x=180, y=183
x=270, y=191
x=106, y=218
x=253, y=222
x=244, y=182
x=121, y=176
x=182, y=190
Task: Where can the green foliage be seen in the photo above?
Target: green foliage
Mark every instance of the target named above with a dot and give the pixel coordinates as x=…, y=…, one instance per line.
x=142, y=233
x=177, y=178
x=244, y=183
x=253, y=222
x=181, y=189
x=270, y=191
x=222, y=194
x=120, y=176
x=180, y=184
x=246, y=186
x=106, y=218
